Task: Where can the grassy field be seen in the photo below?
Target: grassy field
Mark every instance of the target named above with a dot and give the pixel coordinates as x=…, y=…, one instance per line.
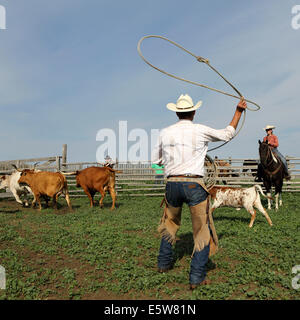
x=94, y=253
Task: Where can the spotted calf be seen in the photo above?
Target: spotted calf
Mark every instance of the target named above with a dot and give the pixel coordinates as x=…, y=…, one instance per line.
x=238, y=198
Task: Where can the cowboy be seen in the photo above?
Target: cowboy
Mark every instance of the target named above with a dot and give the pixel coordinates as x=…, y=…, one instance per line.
x=272, y=141
x=182, y=149
x=108, y=162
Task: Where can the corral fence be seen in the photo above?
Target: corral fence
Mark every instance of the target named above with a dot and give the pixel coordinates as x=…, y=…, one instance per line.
x=139, y=179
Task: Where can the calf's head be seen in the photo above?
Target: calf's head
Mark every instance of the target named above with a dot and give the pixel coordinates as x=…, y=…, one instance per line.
x=26, y=177
x=3, y=182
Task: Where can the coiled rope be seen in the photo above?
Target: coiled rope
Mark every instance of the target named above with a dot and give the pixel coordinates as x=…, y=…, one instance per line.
x=206, y=61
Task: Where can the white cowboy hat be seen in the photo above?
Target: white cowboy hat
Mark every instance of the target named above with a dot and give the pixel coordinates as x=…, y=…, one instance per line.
x=268, y=127
x=184, y=104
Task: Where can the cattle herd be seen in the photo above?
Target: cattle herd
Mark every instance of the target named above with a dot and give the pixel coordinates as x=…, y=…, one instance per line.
x=45, y=184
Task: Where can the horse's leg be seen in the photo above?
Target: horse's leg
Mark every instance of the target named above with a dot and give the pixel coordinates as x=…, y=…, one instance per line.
x=268, y=188
x=276, y=201
x=269, y=200
x=280, y=199
x=278, y=190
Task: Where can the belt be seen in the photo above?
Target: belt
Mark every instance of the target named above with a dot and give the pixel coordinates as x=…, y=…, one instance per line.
x=185, y=176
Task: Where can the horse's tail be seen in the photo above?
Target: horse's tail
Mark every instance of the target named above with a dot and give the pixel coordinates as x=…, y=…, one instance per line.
x=260, y=190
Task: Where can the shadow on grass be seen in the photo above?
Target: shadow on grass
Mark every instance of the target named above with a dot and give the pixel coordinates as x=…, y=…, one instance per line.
x=9, y=211
x=184, y=247
x=233, y=219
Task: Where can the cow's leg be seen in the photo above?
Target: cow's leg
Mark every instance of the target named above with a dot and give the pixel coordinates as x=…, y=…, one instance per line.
x=15, y=193
x=250, y=209
x=101, y=190
x=33, y=201
x=213, y=207
x=24, y=193
x=105, y=189
x=113, y=197
x=39, y=201
x=253, y=216
x=216, y=204
x=212, y=210
x=87, y=192
x=47, y=201
x=260, y=207
x=92, y=193
x=68, y=200
x=54, y=201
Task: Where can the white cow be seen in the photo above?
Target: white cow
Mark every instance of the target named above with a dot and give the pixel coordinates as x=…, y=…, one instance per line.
x=11, y=182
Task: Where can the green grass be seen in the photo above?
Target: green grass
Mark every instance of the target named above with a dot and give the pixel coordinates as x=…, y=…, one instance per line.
x=95, y=253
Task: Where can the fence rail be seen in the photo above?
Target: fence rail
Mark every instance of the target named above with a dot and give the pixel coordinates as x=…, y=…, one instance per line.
x=139, y=179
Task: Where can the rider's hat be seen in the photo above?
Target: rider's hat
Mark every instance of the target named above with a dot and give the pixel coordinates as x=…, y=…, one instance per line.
x=268, y=127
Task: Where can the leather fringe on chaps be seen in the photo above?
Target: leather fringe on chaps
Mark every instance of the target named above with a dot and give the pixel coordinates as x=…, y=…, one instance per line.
x=203, y=226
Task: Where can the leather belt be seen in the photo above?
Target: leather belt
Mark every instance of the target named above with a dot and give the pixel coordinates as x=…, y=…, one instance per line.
x=185, y=176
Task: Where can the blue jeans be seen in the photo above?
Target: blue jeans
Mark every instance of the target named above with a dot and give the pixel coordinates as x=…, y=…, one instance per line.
x=192, y=194
x=282, y=158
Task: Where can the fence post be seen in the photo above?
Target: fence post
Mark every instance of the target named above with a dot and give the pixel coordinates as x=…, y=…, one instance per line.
x=58, y=164
x=64, y=156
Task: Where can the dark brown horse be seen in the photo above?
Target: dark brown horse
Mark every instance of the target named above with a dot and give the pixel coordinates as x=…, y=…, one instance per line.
x=272, y=172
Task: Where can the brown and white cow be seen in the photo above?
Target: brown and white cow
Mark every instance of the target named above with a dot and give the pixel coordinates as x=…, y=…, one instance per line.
x=97, y=179
x=44, y=183
x=238, y=198
x=11, y=182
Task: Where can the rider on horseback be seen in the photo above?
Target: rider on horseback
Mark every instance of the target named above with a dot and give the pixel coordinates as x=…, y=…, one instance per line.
x=272, y=141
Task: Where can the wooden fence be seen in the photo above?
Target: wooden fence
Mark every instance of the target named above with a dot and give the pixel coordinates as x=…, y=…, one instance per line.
x=139, y=179
x=46, y=163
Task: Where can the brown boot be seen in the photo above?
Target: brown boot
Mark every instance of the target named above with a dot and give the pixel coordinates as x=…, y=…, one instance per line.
x=203, y=283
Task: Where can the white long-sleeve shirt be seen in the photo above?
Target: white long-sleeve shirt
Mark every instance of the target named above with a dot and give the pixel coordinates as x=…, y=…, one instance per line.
x=182, y=147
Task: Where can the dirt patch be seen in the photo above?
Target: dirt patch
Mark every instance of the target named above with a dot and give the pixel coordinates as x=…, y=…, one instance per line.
x=58, y=287
x=10, y=206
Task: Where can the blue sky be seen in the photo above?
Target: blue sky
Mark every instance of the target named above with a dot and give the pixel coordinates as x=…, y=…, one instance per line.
x=69, y=68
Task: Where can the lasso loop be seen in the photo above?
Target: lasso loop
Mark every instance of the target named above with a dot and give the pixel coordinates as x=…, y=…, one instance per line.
x=206, y=61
